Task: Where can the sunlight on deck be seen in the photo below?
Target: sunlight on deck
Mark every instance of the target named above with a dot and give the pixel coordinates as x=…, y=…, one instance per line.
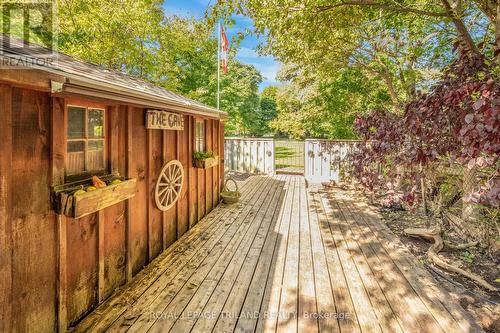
x=287, y=258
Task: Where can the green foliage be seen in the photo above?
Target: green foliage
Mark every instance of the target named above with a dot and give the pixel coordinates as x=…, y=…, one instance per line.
x=40, y=30
x=268, y=108
x=202, y=155
x=179, y=54
x=397, y=48
x=354, y=56
x=122, y=35
x=240, y=98
x=311, y=105
x=255, y=116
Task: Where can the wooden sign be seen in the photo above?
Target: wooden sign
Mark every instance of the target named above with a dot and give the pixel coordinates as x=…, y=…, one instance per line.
x=156, y=119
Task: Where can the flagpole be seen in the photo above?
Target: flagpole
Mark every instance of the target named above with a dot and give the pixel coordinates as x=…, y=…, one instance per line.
x=218, y=66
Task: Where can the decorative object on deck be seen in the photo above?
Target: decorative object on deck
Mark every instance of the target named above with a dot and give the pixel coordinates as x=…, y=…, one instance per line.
x=205, y=160
x=169, y=185
x=229, y=196
x=88, y=196
x=156, y=119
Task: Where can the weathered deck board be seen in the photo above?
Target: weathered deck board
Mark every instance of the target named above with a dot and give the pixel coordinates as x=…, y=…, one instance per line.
x=343, y=301
x=272, y=294
x=176, y=286
x=216, y=275
x=121, y=309
x=255, y=292
x=286, y=259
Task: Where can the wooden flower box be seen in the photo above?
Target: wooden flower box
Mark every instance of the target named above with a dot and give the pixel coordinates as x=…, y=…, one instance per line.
x=83, y=204
x=206, y=163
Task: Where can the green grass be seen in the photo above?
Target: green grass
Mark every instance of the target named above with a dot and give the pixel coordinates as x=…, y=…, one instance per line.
x=282, y=166
x=284, y=152
x=289, y=154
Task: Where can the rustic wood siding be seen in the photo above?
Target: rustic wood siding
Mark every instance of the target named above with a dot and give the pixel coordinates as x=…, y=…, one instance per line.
x=193, y=180
x=82, y=266
x=5, y=208
x=170, y=216
x=138, y=205
x=113, y=255
x=33, y=225
x=54, y=270
x=154, y=216
x=183, y=152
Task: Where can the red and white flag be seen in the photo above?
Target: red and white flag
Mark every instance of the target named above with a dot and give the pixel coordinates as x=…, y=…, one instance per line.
x=225, y=49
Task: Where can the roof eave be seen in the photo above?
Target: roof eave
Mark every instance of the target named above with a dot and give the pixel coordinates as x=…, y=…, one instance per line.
x=108, y=91
x=120, y=92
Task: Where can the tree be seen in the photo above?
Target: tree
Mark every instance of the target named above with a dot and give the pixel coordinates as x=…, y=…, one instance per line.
x=458, y=120
x=120, y=35
x=268, y=106
x=402, y=44
x=240, y=98
x=135, y=36
x=291, y=16
x=324, y=106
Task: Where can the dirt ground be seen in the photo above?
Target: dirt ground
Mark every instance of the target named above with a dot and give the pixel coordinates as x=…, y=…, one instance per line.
x=483, y=304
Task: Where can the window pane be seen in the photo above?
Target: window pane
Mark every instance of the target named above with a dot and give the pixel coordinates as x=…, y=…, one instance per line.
x=76, y=122
x=76, y=159
x=95, y=124
x=95, y=155
x=76, y=146
x=199, y=139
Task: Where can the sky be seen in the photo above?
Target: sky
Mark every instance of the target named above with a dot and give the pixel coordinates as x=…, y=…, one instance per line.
x=267, y=65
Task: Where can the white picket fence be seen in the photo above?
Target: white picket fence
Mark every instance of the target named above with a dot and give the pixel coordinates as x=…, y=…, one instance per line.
x=324, y=159
x=249, y=155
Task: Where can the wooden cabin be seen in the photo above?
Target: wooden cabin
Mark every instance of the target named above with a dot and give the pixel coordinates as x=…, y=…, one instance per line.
x=66, y=242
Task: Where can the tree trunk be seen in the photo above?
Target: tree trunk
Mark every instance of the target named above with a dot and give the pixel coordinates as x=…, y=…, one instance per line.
x=491, y=8
x=469, y=210
x=392, y=91
x=461, y=28
x=423, y=190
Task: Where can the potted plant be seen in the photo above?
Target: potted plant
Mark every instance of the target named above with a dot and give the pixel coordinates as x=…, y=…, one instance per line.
x=205, y=159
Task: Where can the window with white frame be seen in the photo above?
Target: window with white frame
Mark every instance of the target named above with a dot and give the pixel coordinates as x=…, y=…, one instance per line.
x=199, y=135
x=85, y=140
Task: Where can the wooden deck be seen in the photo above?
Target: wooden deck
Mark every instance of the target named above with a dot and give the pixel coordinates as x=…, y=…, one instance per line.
x=287, y=259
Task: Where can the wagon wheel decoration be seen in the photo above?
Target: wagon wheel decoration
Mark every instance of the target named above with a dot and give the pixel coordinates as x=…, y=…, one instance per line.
x=169, y=185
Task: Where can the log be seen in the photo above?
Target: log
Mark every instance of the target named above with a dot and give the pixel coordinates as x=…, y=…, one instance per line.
x=434, y=235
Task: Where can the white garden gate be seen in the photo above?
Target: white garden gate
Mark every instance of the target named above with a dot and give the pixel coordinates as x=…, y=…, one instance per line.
x=325, y=159
x=249, y=155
